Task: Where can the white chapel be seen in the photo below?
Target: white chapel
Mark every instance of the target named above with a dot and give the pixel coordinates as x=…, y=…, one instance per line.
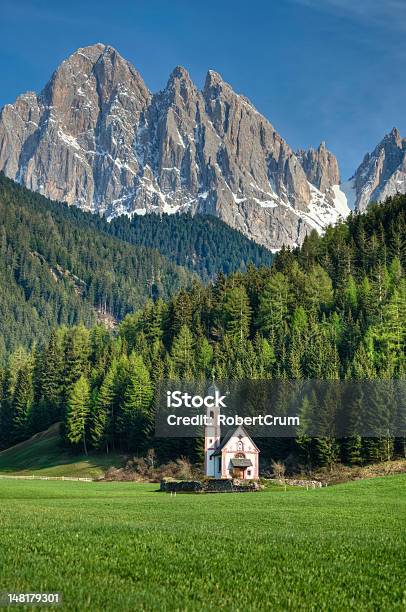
x=234, y=456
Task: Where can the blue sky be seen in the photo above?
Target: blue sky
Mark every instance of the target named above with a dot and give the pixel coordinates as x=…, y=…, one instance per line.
x=332, y=70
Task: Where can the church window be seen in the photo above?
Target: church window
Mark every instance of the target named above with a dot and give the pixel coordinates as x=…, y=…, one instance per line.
x=249, y=472
x=240, y=445
x=211, y=414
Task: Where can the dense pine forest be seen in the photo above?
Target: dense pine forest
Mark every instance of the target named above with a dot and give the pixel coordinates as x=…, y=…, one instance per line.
x=62, y=266
x=202, y=243
x=334, y=309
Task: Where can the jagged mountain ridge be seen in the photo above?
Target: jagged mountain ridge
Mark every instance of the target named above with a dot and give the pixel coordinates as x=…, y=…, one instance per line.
x=382, y=173
x=97, y=137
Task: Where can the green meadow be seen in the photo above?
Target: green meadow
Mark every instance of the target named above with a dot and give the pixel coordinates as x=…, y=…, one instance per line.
x=125, y=546
x=44, y=455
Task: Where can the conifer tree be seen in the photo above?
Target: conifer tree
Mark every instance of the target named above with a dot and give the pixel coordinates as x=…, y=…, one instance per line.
x=265, y=357
x=205, y=357
x=182, y=353
x=78, y=409
x=23, y=398
x=354, y=450
x=326, y=448
x=378, y=420
x=237, y=313
x=103, y=417
x=50, y=378
x=318, y=290
x=76, y=358
x=136, y=409
x=180, y=313
x=304, y=439
x=273, y=305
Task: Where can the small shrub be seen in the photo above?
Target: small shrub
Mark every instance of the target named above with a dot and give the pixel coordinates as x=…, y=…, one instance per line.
x=145, y=469
x=278, y=469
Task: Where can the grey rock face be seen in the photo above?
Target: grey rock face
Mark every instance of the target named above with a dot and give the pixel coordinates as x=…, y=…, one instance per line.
x=382, y=172
x=97, y=138
x=321, y=167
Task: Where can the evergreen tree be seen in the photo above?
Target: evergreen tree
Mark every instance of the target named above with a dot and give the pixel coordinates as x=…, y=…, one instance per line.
x=273, y=308
x=318, y=290
x=103, y=417
x=22, y=402
x=183, y=353
x=136, y=410
x=78, y=409
x=76, y=357
x=50, y=378
x=237, y=313
x=205, y=357
x=304, y=439
x=354, y=450
x=265, y=357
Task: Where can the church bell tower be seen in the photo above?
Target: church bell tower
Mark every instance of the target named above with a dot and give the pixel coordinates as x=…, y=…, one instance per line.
x=212, y=436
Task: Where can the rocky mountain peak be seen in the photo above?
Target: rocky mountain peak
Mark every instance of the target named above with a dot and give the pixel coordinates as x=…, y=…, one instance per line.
x=179, y=73
x=97, y=138
x=382, y=173
x=215, y=87
x=97, y=71
x=91, y=52
x=213, y=78
x=180, y=87
x=395, y=136
x=320, y=166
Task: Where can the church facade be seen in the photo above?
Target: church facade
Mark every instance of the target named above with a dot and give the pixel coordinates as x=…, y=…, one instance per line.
x=234, y=456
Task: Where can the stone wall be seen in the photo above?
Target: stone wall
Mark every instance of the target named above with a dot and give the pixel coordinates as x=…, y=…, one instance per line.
x=309, y=484
x=181, y=486
x=211, y=485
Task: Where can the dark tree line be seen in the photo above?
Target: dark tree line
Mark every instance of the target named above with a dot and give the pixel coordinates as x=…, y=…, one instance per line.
x=333, y=310
x=201, y=243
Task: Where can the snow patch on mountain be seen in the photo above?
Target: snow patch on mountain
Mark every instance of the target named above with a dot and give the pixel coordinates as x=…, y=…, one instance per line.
x=348, y=188
x=325, y=210
x=341, y=201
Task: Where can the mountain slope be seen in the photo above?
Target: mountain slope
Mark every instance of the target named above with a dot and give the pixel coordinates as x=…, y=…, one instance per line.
x=44, y=455
x=333, y=309
x=201, y=243
x=382, y=172
x=58, y=267
x=97, y=138
x=62, y=265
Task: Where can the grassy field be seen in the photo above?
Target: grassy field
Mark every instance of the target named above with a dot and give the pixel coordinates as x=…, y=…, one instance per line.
x=123, y=546
x=44, y=455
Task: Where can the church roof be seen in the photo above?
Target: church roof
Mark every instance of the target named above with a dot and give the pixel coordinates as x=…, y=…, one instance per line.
x=228, y=436
x=241, y=462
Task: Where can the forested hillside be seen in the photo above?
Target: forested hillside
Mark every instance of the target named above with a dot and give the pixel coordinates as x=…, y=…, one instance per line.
x=61, y=265
x=335, y=309
x=59, y=268
x=202, y=243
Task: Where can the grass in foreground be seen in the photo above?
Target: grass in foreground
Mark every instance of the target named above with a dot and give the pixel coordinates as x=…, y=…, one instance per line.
x=44, y=455
x=123, y=546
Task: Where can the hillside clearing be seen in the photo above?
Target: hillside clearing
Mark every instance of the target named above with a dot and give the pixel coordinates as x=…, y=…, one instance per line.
x=44, y=455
